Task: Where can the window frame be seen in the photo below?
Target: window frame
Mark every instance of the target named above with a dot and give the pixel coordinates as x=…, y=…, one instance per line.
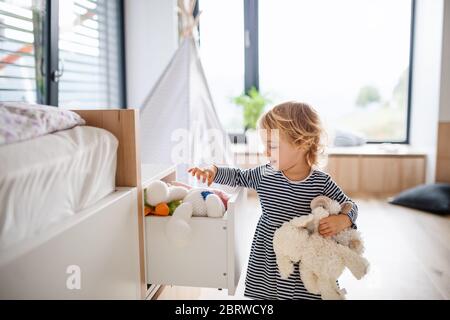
x=51, y=49
x=252, y=68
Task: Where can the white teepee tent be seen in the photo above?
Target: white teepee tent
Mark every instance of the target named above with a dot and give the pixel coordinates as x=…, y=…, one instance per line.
x=178, y=122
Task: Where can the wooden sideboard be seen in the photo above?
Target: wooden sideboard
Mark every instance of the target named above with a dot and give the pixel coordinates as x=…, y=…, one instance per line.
x=376, y=175
x=443, y=153
x=371, y=171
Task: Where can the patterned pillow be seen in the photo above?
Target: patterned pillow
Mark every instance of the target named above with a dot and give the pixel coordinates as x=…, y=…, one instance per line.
x=21, y=121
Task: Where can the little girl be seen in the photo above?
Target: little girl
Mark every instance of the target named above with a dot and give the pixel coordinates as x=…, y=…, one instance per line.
x=285, y=187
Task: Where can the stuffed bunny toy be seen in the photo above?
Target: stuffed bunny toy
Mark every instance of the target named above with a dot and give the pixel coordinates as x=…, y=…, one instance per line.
x=198, y=202
x=321, y=260
x=159, y=192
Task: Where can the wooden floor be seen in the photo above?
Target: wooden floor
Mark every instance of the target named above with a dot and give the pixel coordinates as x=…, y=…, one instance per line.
x=409, y=252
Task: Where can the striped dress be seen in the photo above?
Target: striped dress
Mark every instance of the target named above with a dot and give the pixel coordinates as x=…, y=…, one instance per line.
x=281, y=200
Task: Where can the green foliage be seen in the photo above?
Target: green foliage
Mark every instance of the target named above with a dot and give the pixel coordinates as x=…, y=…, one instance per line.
x=173, y=205
x=367, y=95
x=253, y=104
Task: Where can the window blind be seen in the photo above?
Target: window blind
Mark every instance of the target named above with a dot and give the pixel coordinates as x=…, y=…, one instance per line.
x=20, y=52
x=90, y=54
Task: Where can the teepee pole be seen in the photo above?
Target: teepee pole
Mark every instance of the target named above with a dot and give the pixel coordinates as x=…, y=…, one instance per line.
x=189, y=22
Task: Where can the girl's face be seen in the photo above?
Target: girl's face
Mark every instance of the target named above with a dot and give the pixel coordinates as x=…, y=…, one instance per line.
x=280, y=151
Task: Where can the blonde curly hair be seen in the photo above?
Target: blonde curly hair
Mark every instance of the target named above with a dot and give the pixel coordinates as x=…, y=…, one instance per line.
x=300, y=124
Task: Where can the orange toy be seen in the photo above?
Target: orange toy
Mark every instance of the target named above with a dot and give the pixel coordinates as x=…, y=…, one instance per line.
x=162, y=209
x=147, y=210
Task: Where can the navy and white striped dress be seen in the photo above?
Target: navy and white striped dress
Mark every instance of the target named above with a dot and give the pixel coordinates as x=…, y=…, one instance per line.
x=281, y=200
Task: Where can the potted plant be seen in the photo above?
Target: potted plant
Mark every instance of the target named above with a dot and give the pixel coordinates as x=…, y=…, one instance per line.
x=253, y=104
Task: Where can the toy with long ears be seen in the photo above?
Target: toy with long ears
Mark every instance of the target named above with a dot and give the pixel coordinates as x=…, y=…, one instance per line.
x=348, y=237
x=321, y=260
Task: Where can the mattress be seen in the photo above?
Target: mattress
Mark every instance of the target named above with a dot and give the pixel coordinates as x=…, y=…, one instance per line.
x=48, y=178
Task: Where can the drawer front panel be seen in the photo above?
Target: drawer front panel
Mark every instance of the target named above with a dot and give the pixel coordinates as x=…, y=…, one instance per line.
x=202, y=263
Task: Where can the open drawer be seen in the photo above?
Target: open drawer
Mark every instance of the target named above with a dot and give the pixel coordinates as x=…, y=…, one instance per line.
x=211, y=259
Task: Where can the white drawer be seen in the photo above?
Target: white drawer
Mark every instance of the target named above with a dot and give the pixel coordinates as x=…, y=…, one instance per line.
x=213, y=257
x=100, y=241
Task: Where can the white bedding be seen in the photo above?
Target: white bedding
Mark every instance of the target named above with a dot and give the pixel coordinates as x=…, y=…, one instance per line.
x=45, y=179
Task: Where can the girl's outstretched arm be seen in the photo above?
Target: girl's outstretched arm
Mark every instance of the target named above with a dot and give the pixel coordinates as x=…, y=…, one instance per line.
x=248, y=178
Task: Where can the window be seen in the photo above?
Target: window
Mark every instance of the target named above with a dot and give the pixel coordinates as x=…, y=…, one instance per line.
x=350, y=59
x=71, y=57
x=21, y=54
x=89, y=53
x=222, y=55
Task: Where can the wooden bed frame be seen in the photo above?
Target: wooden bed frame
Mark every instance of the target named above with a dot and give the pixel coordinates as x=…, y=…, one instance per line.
x=124, y=124
x=100, y=248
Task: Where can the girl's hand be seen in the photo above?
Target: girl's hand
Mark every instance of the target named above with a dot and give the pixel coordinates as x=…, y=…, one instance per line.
x=333, y=224
x=204, y=174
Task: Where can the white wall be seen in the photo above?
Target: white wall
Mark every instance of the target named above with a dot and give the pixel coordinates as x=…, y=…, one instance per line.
x=151, y=37
x=444, y=113
x=426, y=80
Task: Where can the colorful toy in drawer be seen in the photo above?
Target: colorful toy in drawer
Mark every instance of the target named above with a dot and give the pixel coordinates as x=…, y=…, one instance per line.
x=223, y=196
x=161, y=199
x=182, y=202
x=199, y=202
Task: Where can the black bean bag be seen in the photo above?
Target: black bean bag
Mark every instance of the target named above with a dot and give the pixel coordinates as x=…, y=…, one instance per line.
x=433, y=198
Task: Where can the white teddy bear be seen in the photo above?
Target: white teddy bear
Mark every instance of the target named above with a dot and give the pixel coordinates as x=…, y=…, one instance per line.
x=321, y=260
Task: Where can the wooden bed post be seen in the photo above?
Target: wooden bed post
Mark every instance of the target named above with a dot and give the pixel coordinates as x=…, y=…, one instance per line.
x=124, y=124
